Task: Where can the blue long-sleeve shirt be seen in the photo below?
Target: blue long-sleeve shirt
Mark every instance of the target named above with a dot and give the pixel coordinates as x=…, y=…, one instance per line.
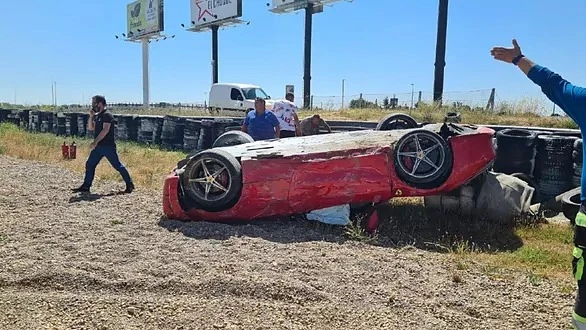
x=571, y=99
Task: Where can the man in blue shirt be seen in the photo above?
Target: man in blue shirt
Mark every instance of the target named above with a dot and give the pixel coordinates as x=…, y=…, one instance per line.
x=260, y=123
x=572, y=100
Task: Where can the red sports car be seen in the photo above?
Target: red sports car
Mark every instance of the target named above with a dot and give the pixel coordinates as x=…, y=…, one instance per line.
x=239, y=179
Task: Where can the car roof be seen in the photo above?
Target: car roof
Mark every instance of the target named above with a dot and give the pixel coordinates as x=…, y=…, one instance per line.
x=239, y=85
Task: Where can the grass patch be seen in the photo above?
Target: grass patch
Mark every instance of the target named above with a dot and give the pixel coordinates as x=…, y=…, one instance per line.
x=148, y=165
x=532, y=246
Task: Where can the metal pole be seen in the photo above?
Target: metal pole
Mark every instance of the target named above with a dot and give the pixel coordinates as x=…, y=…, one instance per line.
x=145, y=73
x=215, y=54
x=440, y=50
x=343, y=80
x=307, y=56
x=412, y=94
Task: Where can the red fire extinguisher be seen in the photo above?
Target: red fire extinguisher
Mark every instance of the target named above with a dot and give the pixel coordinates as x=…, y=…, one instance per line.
x=65, y=150
x=72, y=151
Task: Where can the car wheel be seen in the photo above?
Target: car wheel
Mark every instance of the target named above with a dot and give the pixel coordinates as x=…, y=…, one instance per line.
x=571, y=205
x=423, y=159
x=396, y=121
x=232, y=138
x=213, y=180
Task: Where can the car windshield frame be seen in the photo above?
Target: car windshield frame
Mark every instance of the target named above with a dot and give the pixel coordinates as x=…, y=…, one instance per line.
x=256, y=90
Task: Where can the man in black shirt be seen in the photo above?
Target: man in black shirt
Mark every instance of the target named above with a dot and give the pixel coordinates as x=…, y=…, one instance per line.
x=101, y=122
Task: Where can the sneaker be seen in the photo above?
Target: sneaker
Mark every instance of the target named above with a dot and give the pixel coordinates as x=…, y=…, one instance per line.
x=129, y=188
x=81, y=189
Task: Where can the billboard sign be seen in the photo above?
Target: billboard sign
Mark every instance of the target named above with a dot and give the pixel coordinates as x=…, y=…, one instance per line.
x=208, y=12
x=144, y=17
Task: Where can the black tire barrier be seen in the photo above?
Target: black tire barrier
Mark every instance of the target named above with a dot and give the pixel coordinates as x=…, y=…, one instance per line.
x=571, y=205
x=127, y=127
x=46, y=119
x=148, y=129
x=82, y=123
x=515, y=151
x=23, y=118
x=71, y=128
x=61, y=128
x=33, y=121
x=553, y=164
x=577, y=158
x=205, y=140
x=172, y=133
x=191, y=135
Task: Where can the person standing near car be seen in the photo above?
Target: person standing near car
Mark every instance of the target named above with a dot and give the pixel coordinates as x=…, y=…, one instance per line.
x=572, y=100
x=286, y=112
x=311, y=125
x=261, y=124
x=104, y=145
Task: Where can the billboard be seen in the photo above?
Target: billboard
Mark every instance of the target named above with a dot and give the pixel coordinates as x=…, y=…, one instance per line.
x=146, y=16
x=207, y=12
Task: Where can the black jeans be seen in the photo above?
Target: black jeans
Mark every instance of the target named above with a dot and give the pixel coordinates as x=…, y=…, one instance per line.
x=286, y=134
x=94, y=159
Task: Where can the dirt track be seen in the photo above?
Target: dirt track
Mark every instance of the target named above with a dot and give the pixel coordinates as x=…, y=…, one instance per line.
x=112, y=263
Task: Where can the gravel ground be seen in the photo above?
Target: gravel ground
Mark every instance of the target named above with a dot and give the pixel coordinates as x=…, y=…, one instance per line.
x=113, y=262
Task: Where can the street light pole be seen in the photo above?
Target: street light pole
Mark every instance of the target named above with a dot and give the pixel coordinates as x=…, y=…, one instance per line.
x=343, y=80
x=412, y=91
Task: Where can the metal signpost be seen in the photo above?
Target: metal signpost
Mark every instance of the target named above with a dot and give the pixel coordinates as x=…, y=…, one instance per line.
x=311, y=7
x=145, y=23
x=211, y=15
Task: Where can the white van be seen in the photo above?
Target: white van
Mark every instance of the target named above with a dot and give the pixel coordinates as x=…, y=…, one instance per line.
x=236, y=97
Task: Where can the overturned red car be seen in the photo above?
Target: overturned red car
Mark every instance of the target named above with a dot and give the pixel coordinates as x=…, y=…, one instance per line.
x=240, y=179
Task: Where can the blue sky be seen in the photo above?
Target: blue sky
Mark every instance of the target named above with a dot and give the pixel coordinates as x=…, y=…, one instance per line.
x=377, y=46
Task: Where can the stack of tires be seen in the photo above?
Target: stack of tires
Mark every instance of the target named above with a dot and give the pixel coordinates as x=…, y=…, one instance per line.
x=147, y=130
x=173, y=131
x=515, y=151
x=577, y=155
x=60, y=129
x=13, y=117
x=554, y=165
x=23, y=118
x=191, y=135
x=34, y=124
x=71, y=124
x=82, y=121
x=46, y=119
x=206, y=139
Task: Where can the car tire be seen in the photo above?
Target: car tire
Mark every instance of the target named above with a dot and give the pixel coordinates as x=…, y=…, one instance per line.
x=229, y=177
x=396, y=121
x=232, y=138
x=515, y=151
x=571, y=205
x=405, y=160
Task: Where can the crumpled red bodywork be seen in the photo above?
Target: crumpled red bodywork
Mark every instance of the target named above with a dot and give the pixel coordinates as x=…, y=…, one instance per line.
x=279, y=184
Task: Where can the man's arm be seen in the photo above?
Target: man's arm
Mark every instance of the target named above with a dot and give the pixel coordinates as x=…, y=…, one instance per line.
x=275, y=121
x=245, y=124
x=90, y=123
x=322, y=123
x=570, y=98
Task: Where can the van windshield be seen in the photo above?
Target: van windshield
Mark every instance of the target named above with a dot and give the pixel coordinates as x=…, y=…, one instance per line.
x=253, y=93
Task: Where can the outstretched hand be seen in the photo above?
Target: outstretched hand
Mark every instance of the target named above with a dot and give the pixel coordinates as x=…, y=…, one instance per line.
x=506, y=54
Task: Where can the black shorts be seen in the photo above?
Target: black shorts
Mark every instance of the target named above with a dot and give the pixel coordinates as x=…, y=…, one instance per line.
x=286, y=134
